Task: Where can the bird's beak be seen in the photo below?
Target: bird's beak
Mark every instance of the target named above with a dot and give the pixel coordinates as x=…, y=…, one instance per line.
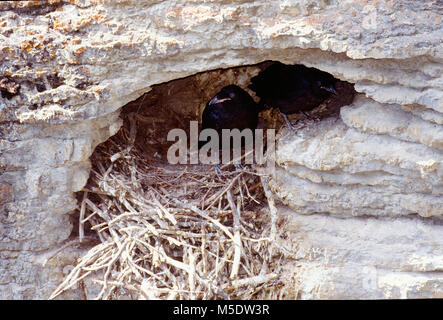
x=217, y=100
x=329, y=88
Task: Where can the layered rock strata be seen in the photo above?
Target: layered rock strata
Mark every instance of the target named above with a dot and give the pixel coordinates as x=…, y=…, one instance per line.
x=67, y=67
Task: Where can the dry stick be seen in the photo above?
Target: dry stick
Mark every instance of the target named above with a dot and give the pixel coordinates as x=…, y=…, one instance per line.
x=69, y=282
x=192, y=274
x=204, y=215
x=95, y=208
x=166, y=290
x=249, y=194
x=130, y=261
x=89, y=217
x=151, y=210
x=98, y=250
x=239, y=184
x=108, y=270
x=76, y=280
x=96, y=191
x=237, y=238
x=81, y=230
x=272, y=209
x=168, y=215
x=160, y=254
x=252, y=281
x=70, y=243
x=150, y=273
x=202, y=247
x=222, y=192
x=73, y=276
x=99, y=263
x=202, y=202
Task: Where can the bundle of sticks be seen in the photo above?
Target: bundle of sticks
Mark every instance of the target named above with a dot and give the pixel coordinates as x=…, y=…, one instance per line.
x=174, y=232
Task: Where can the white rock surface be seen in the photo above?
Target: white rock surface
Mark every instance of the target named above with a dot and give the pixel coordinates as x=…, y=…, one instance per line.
x=383, y=258
x=372, y=117
x=330, y=167
x=78, y=63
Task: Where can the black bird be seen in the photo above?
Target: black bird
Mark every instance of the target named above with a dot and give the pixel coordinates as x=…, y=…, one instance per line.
x=231, y=108
x=292, y=88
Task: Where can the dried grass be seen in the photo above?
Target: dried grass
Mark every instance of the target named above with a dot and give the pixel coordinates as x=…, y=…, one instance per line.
x=174, y=232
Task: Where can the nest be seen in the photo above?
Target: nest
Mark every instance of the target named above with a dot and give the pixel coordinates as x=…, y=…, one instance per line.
x=174, y=232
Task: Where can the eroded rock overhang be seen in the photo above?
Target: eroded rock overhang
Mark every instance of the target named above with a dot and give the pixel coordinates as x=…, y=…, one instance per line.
x=78, y=62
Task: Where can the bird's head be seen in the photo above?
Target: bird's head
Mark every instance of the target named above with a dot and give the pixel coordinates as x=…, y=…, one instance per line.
x=227, y=93
x=327, y=84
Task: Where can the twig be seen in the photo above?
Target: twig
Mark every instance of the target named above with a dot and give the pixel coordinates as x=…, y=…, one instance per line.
x=272, y=208
x=237, y=238
x=253, y=281
x=81, y=231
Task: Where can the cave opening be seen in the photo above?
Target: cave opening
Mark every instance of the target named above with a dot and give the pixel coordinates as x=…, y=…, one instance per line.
x=180, y=221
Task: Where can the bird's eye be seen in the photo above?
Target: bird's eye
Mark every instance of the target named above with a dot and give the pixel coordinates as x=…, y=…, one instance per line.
x=231, y=95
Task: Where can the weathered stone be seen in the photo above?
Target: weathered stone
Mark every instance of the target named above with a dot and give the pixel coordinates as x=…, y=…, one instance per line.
x=369, y=116
x=363, y=258
x=78, y=62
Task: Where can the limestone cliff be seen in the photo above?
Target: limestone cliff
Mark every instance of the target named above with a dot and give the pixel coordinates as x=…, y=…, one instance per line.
x=371, y=180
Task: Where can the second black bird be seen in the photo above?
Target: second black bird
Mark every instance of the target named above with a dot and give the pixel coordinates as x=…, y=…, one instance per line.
x=292, y=88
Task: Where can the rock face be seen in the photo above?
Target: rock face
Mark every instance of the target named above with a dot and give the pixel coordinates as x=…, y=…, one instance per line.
x=364, y=258
x=370, y=180
x=334, y=168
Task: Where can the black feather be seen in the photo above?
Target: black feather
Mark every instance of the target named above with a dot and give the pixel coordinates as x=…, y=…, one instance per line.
x=231, y=108
x=292, y=88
